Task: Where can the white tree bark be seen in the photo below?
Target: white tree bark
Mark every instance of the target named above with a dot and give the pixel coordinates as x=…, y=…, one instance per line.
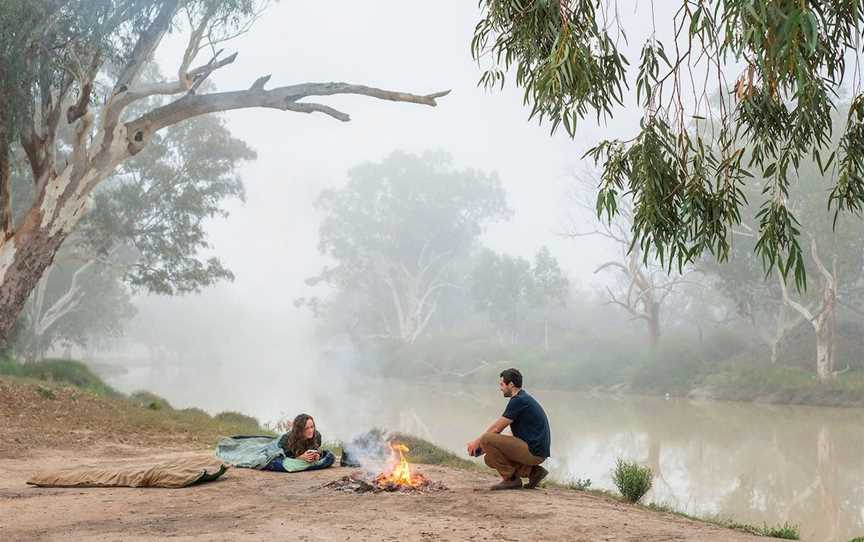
x=414, y=292
x=821, y=317
x=783, y=324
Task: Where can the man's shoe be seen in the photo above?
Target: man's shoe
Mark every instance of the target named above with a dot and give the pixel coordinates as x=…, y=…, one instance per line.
x=536, y=476
x=507, y=484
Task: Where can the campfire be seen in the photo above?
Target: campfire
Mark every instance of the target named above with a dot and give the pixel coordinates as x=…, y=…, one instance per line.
x=400, y=474
x=397, y=476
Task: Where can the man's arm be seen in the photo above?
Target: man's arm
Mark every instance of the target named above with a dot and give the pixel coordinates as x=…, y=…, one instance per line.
x=497, y=426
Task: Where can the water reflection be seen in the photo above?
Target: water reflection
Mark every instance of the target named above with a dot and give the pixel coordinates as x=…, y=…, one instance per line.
x=754, y=463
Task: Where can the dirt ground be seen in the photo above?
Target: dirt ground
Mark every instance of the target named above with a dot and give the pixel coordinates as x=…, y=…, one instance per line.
x=252, y=505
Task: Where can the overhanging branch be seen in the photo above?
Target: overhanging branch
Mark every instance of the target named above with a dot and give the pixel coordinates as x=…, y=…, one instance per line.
x=140, y=130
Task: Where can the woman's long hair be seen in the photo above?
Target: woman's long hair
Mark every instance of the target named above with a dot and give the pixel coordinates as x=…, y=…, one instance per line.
x=295, y=443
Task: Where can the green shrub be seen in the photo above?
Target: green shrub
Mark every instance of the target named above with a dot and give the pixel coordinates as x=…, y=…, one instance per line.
x=632, y=479
x=61, y=371
x=857, y=539
x=145, y=399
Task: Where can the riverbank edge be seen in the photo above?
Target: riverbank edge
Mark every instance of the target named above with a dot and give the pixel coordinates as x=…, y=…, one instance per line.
x=65, y=380
x=759, y=385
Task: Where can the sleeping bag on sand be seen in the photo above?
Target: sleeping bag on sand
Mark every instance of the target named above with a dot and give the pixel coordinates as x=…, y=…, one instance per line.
x=170, y=474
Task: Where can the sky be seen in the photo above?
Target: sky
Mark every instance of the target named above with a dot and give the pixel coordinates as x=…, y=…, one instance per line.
x=270, y=241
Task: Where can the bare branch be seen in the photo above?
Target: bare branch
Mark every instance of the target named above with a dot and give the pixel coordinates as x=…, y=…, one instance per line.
x=67, y=302
x=614, y=301
x=606, y=234
x=827, y=275
x=317, y=108
x=148, y=40
x=612, y=264
x=260, y=82
x=804, y=311
x=85, y=78
x=169, y=88
x=194, y=45
x=140, y=130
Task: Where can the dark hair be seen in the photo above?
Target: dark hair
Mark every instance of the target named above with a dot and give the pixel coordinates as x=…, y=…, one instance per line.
x=295, y=443
x=512, y=375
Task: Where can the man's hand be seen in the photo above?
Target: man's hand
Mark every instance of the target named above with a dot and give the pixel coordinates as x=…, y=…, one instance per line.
x=309, y=456
x=472, y=447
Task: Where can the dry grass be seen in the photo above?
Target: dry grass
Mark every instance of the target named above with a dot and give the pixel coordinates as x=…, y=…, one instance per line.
x=39, y=413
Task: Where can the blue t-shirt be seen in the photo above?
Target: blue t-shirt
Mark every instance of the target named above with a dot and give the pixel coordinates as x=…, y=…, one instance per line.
x=529, y=423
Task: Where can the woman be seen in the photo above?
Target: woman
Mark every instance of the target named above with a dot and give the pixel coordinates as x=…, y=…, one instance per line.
x=302, y=442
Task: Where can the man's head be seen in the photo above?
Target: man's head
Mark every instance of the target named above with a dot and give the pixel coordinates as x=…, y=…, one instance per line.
x=510, y=382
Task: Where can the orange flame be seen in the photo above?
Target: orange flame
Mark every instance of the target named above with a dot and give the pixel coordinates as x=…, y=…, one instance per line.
x=400, y=471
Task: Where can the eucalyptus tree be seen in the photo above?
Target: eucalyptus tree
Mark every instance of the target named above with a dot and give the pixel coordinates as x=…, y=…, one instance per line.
x=643, y=288
x=502, y=288
x=833, y=258
x=397, y=231
x=550, y=287
x=145, y=233
x=90, y=54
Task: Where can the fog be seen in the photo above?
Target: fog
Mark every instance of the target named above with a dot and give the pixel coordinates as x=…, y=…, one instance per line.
x=388, y=268
x=251, y=331
x=270, y=240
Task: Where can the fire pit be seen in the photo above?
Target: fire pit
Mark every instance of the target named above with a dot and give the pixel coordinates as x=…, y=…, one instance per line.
x=396, y=477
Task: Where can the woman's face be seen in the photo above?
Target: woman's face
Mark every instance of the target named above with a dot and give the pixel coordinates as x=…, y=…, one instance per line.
x=309, y=430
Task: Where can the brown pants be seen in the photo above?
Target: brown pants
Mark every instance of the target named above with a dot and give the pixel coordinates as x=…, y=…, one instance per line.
x=508, y=455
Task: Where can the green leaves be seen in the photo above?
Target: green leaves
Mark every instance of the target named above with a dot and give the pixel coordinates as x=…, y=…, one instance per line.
x=779, y=228
x=848, y=193
x=685, y=196
x=159, y=202
x=686, y=186
x=566, y=64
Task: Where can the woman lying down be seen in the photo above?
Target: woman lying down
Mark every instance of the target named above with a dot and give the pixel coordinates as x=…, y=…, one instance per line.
x=297, y=450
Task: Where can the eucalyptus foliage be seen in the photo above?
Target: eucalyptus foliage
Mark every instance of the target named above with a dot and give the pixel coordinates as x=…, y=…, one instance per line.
x=703, y=136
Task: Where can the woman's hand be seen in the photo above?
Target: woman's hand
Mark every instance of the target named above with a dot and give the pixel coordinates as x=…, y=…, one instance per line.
x=309, y=456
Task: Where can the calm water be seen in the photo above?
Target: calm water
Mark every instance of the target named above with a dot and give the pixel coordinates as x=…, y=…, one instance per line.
x=754, y=463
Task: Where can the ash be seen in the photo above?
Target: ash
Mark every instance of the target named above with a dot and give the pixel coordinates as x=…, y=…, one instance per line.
x=355, y=483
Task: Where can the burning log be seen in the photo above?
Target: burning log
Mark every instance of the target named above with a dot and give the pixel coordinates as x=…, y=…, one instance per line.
x=356, y=483
x=397, y=477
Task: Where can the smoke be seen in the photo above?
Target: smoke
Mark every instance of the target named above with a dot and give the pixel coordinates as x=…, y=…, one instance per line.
x=369, y=450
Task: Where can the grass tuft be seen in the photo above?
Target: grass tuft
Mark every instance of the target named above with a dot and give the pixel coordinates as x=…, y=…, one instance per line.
x=632, y=480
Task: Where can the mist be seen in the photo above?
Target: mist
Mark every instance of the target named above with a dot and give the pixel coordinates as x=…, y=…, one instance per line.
x=270, y=240
x=382, y=272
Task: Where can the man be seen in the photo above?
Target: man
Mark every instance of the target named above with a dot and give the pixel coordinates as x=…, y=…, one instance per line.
x=518, y=456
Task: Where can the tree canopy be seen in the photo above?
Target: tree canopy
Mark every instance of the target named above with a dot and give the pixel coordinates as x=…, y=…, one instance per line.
x=744, y=88
x=145, y=233
x=157, y=203
x=396, y=229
